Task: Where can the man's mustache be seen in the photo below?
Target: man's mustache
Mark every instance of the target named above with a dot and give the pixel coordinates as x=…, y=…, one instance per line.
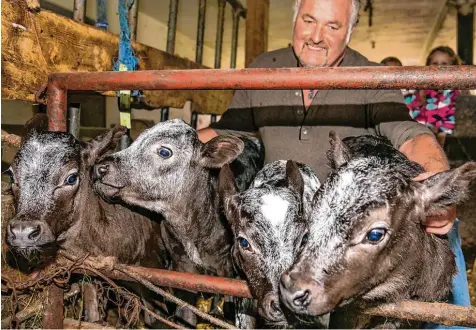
x=320, y=44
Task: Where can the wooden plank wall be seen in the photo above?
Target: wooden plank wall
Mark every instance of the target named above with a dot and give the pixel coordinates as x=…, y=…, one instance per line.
x=36, y=44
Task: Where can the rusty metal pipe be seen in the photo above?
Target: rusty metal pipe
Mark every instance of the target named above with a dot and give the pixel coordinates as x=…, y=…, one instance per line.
x=219, y=37
x=236, y=5
x=234, y=38
x=132, y=19
x=56, y=107
x=172, y=26
x=79, y=9
x=202, y=10
x=53, y=315
x=186, y=281
x=461, y=77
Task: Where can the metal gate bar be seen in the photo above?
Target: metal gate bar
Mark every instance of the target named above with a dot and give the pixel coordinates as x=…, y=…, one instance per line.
x=428, y=77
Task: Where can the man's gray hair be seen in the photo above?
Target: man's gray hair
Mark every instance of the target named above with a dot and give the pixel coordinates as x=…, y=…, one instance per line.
x=354, y=16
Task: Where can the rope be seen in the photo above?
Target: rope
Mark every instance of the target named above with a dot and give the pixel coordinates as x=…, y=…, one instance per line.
x=126, y=53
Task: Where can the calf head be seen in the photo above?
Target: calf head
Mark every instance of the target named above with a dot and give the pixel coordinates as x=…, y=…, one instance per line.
x=366, y=237
x=165, y=166
x=268, y=228
x=50, y=181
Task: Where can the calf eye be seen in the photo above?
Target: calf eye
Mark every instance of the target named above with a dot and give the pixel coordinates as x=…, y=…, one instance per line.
x=71, y=179
x=304, y=240
x=243, y=242
x=165, y=152
x=376, y=235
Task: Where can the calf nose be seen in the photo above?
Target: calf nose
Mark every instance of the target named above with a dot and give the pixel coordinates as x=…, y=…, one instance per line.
x=270, y=308
x=100, y=170
x=295, y=297
x=24, y=233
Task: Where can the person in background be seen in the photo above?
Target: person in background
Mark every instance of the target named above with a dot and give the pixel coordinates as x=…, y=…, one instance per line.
x=391, y=61
x=436, y=108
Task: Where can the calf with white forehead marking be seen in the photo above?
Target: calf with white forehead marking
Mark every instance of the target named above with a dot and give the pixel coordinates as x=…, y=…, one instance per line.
x=367, y=243
x=57, y=207
x=268, y=225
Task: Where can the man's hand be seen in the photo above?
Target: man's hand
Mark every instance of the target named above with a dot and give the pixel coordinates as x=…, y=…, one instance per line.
x=438, y=224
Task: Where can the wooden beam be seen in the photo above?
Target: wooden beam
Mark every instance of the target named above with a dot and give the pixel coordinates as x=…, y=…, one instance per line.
x=436, y=27
x=36, y=44
x=257, y=23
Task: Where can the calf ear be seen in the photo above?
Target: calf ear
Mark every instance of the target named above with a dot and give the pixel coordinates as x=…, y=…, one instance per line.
x=103, y=144
x=38, y=123
x=447, y=188
x=220, y=150
x=226, y=183
x=294, y=180
x=338, y=154
x=227, y=189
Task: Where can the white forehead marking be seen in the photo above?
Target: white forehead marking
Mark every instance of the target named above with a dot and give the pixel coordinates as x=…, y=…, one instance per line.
x=274, y=208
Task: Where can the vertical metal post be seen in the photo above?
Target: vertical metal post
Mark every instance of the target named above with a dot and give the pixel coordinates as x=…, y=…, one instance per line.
x=234, y=38
x=53, y=315
x=202, y=9
x=164, y=114
x=194, y=120
x=79, y=10
x=219, y=39
x=133, y=19
x=465, y=33
x=172, y=26
x=74, y=121
x=102, y=22
x=56, y=108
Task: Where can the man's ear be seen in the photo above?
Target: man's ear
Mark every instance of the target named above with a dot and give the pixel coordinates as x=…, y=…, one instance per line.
x=103, y=144
x=294, y=180
x=338, y=154
x=220, y=150
x=444, y=189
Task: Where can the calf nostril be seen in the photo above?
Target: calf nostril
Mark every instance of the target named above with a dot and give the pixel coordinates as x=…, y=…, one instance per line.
x=35, y=233
x=302, y=298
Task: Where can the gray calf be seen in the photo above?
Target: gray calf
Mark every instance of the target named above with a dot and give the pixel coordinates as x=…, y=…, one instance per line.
x=268, y=225
x=169, y=171
x=367, y=243
x=57, y=207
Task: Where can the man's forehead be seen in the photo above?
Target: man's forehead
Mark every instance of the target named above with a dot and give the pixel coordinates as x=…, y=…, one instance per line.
x=337, y=11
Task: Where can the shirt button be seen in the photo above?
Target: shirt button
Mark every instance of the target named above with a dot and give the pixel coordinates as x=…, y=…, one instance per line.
x=300, y=112
x=297, y=93
x=304, y=131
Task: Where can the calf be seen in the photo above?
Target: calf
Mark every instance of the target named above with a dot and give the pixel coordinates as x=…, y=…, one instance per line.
x=268, y=225
x=367, y=243
x=57, y=207
x=169, y=171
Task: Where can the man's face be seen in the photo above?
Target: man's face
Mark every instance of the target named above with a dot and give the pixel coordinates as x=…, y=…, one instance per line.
x=321, y=31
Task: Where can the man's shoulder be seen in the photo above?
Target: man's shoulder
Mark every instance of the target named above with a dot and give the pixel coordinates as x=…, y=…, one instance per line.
x=354, y=58
x=279, y=58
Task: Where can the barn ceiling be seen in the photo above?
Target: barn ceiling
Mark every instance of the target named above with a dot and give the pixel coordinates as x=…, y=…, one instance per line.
x=407, y=29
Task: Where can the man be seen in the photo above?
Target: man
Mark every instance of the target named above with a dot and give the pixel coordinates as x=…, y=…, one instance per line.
x=295, y=124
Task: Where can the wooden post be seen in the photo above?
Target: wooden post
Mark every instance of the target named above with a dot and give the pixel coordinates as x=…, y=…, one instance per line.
x=257, y=22
x=133, y=19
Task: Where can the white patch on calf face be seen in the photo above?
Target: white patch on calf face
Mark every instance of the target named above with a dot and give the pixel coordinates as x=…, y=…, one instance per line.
x=274, y=208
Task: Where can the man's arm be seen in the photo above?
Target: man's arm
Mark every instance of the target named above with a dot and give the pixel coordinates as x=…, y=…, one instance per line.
x=238, y=118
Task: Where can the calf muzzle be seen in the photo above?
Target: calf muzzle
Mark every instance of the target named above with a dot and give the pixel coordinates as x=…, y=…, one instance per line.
x=303, y=295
